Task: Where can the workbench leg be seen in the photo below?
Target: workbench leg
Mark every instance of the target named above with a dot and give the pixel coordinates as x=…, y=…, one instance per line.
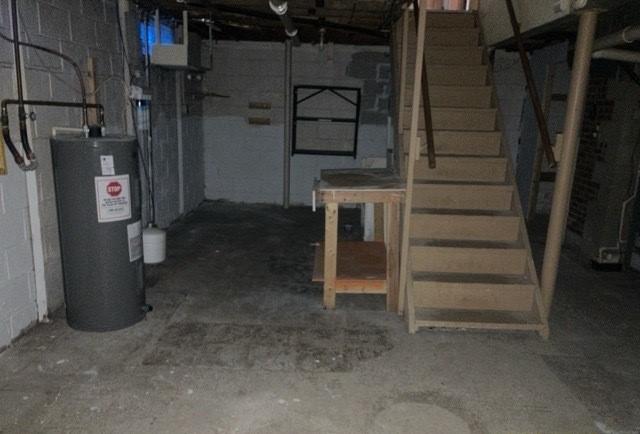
x=392, y=221
x=330, y=254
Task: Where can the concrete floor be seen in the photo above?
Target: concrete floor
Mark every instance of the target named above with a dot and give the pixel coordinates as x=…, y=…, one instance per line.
x=238, y=342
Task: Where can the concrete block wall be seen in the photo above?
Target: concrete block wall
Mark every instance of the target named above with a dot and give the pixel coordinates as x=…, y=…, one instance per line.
x=244, y=162
x=79, y=29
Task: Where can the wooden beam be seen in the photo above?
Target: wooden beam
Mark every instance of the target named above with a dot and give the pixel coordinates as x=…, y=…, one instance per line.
x=392, y=220
x=330, y=254
x=414, y=150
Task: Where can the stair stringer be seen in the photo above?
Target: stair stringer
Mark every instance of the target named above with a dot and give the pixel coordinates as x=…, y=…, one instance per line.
x=538, y=322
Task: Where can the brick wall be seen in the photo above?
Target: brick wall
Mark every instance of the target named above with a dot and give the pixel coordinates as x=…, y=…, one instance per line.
x=244, y=162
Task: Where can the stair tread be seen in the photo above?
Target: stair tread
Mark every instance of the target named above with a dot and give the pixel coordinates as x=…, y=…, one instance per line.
x=497, y=279
x=466, y=244
x=469, y=157
x=469, y=131
x=464, y=183
x=491, y=319
x=464, y=212
x=480, y=157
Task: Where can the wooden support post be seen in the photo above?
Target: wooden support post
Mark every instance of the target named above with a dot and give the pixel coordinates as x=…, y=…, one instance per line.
x=414, y=146
x=564, y=177
x=330, y=254
x=90, y=84
x=392, y=219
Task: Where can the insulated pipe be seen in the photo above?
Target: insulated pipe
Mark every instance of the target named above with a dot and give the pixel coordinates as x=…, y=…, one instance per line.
x=566, y=167
x=280, y=8
x=617, y=54
x=288, y=60
x=626, y=36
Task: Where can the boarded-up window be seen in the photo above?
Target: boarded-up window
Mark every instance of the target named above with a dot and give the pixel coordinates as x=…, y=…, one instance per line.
x=325, y=120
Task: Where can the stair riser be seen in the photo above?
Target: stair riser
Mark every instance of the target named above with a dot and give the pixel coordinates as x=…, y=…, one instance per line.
x=456, y=120
x=443, y=56
x=446, y=295
x=450, y=20
x=457, y=97
x=449, y=56
x=463, y=169
x=451, y=75
x=489, y=198
x=468, y=260
x=447, y=38
x=469, y=228
x=460, y=143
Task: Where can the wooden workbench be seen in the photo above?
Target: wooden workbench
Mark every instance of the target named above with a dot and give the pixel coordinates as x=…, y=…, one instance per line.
x=359, y=266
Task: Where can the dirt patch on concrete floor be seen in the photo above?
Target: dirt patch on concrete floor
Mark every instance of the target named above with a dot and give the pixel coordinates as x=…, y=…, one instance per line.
x=270, y=347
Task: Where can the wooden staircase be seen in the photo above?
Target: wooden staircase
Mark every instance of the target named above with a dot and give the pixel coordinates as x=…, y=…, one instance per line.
x=468, y=259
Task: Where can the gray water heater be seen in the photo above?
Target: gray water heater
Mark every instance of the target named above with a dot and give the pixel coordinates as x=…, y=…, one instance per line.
x=99, y=214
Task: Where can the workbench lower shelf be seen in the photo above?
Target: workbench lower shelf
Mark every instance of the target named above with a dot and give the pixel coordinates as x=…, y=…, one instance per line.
x=361, y=267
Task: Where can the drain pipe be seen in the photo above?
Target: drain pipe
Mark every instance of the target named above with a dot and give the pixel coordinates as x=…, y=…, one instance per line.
x=280, y=8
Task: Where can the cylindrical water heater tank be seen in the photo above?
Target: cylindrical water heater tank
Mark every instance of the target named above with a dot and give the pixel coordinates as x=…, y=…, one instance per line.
x=99, y=214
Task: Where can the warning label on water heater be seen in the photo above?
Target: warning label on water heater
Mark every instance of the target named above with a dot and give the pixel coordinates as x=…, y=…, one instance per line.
x=113, y=198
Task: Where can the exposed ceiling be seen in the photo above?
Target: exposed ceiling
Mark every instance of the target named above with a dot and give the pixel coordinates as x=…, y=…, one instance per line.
x=344, y=21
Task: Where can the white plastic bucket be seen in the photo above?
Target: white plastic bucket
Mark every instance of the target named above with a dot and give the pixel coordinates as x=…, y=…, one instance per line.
x=154, y=245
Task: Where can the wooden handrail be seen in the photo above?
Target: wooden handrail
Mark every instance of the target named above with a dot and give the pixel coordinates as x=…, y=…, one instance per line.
x=426, y=100
x=531, y=87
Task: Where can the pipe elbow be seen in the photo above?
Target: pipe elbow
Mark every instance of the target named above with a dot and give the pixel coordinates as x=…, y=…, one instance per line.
x=279, y=7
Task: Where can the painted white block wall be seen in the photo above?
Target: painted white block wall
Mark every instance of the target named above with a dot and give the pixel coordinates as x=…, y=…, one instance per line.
x=244, y=162
x=79, y=29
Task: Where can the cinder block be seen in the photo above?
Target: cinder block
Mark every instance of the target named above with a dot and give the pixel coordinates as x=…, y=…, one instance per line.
x=19, y=259
x=54, y=22
x=38, y=84
x=93, y=9
x=4, y=267
x=23, y=318
x=39, y=59
x=5, y=330
x=83, y=31
x=13, y=228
